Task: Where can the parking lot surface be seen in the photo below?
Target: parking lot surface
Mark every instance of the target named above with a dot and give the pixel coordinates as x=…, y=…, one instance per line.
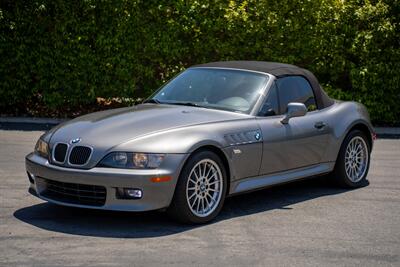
x=306, y=223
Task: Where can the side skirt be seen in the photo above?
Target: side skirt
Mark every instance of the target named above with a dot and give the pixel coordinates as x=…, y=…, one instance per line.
x=258, y=182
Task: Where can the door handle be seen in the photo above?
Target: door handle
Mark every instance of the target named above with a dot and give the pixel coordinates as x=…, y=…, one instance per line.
x=319, y=125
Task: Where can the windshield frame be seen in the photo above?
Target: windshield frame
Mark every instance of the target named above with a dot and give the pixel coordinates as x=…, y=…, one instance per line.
x=252, y=111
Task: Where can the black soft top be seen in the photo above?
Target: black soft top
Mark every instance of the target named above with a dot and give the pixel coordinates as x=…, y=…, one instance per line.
x=278, y=70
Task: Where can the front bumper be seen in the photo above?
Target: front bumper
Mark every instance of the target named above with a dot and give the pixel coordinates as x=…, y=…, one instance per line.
x=155, y=195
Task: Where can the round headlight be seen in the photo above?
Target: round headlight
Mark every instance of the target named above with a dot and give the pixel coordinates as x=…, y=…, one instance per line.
x=120, y=158
x=140, y=160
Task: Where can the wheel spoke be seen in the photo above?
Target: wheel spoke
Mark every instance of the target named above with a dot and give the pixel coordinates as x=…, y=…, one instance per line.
x=195, y=174
x=359, y=148
x=192, y=195
x=198, y=205
x=356, y=173
x=208, y=173
x=348, y=169
x=208, y=203
x=212, y=183
x=198, y=173
x=191, y=180
x=212, y=176
x=194, y=201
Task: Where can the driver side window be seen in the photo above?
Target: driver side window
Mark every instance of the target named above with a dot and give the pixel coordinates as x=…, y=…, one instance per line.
x=295, y=89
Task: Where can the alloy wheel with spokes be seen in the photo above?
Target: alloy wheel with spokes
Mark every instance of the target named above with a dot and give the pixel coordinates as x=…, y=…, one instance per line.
x=204, y=187
x=201, y=188
x=356, y=159
x=352, y=164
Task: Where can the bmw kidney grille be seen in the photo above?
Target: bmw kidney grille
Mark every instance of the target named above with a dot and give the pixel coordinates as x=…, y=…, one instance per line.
x=79, y=155
x=60, y=152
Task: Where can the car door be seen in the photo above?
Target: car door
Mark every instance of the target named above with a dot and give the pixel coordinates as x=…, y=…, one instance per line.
x=301, y=142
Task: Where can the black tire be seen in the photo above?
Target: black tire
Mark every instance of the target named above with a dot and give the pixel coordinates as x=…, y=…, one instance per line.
x=179, y=208
x=339, y=174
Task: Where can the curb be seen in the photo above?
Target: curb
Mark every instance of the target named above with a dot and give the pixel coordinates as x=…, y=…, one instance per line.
x=28, y=124
x=31, y=124
x=387, y=130
x=31, y=120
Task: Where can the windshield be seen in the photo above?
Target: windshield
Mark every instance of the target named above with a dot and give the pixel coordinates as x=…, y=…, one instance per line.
x=232, y=90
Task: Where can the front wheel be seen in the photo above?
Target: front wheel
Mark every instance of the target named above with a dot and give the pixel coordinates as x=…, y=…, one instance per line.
x=352, y=164
x=201, y=189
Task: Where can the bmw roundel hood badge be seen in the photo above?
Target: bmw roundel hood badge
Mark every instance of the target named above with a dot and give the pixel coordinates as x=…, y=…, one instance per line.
x=75, y=141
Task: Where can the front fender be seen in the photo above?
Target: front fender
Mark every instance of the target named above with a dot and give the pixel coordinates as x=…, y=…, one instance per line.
x=175, y=141
x=188, y=139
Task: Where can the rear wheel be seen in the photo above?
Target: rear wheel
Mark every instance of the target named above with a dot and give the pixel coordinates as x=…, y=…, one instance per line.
x=201, y=189
x=352, y=164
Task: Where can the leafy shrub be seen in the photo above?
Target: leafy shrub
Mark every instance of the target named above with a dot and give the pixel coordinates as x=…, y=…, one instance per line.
x=57, y=53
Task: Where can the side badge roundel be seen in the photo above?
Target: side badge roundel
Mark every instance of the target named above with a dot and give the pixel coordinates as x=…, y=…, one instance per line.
x=257, y=135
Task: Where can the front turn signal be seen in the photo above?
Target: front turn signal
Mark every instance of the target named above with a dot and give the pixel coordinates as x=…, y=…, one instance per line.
x=160, y=179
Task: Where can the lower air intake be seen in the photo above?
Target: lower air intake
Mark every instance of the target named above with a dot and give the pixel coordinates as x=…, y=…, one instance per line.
x=81, y=194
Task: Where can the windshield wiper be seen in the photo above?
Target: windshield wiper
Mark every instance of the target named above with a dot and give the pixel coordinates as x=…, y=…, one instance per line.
x=190, y=104
x=156, y=101
x=152, y=100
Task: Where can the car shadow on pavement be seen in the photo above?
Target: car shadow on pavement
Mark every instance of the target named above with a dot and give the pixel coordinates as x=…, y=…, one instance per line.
x=100, y=223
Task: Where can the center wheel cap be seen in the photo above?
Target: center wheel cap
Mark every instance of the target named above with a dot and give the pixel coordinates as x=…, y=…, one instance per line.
x=202, y=188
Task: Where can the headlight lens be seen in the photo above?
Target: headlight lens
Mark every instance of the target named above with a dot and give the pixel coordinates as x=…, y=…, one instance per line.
x=42, y=148
x=132, y=160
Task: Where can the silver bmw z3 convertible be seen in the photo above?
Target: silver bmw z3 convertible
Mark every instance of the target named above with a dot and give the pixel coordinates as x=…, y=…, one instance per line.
x=215, y=130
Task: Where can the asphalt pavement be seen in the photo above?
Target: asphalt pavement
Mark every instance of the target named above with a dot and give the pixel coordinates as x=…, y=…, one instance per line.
x=306, y=223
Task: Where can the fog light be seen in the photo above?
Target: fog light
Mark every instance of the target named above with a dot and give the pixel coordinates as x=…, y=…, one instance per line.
x=133, y=193
x=129, y=193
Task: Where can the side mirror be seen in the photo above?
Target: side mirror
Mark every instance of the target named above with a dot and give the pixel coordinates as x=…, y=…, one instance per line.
x=294, y=110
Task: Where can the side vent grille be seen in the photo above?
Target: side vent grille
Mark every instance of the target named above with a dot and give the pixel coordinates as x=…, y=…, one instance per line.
x=242, y=138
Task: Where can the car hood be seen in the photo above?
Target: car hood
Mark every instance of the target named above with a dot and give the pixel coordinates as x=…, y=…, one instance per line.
x=107, y=129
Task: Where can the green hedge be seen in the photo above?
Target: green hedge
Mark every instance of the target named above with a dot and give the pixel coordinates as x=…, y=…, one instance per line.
x=57, y=54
